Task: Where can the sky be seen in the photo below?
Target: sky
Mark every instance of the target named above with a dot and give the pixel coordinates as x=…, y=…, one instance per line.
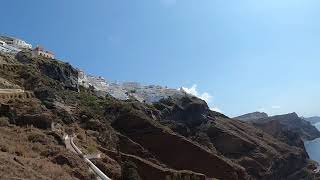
x=239, y=55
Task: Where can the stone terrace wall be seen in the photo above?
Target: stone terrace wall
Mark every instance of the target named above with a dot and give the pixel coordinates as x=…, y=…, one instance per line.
x=5, y=97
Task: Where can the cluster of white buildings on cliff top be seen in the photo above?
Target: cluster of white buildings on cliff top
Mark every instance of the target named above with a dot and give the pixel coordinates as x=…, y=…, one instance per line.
x=122, y=91
x=127, y=90
x=13, y=46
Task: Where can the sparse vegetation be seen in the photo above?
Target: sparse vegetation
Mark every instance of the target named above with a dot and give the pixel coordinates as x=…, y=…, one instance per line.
x=4, y=121
x=129, y=171
x=145, y=132
x=92, y=149
x=36, y=137
x=19, y=150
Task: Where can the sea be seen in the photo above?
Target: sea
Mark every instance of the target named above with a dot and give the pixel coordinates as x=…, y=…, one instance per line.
x=313, y=147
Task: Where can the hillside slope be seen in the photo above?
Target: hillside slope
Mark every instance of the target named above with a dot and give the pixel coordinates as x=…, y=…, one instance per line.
x=176, y=138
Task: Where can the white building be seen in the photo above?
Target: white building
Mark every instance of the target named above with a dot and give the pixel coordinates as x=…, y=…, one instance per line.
x=21, y=44
x=116, y=91
x=123, y=91
x=99, y=83
x=17, y=43
x=5, y=48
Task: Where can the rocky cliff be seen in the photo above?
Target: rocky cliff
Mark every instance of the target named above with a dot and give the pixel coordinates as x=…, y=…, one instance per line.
x=288, y=123
x=260, y=154
x=176, y=138
x=288, y=128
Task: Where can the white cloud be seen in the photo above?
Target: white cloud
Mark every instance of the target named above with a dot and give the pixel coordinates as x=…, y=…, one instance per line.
x=275, y=107
x=204, y=96
x=192, y=90
x=169, y=3
x=216, y=109
x=262, y=109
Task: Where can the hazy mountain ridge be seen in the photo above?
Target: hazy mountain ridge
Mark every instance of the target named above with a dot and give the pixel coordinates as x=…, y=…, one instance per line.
x=286, y=122
x=312, y=120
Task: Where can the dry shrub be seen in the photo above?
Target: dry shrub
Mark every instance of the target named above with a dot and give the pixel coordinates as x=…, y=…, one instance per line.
x=20, y=150
x=36, y=137
x=92, y=149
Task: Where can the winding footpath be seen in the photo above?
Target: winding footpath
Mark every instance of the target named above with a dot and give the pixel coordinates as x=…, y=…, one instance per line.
x=72, y=147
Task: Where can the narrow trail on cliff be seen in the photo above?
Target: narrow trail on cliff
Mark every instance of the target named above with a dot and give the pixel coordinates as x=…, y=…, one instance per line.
x=72, y=147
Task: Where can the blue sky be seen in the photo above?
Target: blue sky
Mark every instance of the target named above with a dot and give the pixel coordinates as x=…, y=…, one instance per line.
x=247, y=55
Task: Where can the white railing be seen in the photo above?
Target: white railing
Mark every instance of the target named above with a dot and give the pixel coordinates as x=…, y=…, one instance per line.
x=94, y=168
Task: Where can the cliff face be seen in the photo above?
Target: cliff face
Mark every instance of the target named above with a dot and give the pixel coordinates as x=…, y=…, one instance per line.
x=55, y=70
x=290, y=124
x=182, y=154
x=263, y=156
x=177, y=138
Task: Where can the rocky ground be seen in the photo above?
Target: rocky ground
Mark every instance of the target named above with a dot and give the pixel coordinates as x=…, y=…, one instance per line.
x=176, y=138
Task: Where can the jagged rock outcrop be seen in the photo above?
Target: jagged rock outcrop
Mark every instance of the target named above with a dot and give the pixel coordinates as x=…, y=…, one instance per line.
x=61, y=72
x=56, y=70
x=190, y=111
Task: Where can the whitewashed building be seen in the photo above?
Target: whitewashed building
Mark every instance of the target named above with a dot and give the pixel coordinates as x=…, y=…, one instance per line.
x=117, y=91
x=17, y=43
x=5, y=48
x=99, y=83
x=127, y=90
